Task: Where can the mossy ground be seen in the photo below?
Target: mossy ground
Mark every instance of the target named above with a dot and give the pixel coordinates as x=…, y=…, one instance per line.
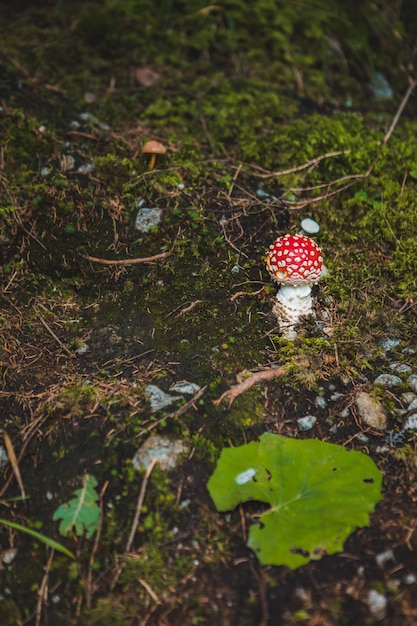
x=270, y=96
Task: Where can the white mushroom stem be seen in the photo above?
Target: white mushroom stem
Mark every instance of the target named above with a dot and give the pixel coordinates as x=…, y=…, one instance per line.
x=292, y=303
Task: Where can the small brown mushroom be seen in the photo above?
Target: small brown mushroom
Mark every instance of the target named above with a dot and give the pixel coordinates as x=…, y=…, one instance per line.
x=153, y=148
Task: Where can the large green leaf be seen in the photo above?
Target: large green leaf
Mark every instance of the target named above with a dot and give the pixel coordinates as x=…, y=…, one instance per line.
x=318, y=494
x=82, y=512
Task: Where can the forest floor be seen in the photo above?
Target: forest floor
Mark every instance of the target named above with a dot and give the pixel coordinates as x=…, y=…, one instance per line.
x=270, y=112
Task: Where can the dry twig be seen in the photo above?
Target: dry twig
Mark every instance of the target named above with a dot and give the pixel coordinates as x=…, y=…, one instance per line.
x=137, y=261
x=249, y=294
x=43, y=590
x=89, y=581
x=13, y=462
x=400, y=109
x=136, y=519
x=245, y=385
x=57, y=339
x=299, y=168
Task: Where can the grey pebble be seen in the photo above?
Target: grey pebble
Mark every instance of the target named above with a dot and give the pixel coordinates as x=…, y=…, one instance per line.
x=389, y=380
x=407, y=397
x=400, y=368
x=164, y=449
x=371, y=411
x=159, y=399
x=320, y=402
x=377, y=604
x=389, y=343
x=411, y=422
x=183, y=386
x=412, y=382
x=147, y=219
x=307, y=422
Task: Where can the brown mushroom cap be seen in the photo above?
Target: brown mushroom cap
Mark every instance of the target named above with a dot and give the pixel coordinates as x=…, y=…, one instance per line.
x=153, y=147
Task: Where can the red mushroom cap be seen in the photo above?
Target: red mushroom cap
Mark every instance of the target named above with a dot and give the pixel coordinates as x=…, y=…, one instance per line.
x=294, y=259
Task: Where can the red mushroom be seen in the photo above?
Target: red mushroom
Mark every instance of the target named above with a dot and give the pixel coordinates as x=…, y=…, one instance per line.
x=296, y=262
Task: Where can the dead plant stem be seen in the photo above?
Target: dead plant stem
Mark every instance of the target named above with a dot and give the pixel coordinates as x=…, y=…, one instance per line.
x=89, y=582
x=303, y=166
x=148, y=259
x=135, y=521
x=253, y=379
x=43, y=590
x=400, y=109
x=57, y=339
x=13, y=462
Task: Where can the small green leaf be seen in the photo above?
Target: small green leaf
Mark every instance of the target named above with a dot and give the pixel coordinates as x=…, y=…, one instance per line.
x=82, y=512
x=413, y=173
x=318, y=493
x=51, y=543
x=361, y=195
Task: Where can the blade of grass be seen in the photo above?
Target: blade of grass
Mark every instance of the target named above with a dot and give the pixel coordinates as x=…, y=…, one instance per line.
x=51, y=543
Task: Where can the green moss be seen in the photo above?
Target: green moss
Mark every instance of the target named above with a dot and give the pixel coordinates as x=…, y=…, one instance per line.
x=107, y=610
x=244, y=92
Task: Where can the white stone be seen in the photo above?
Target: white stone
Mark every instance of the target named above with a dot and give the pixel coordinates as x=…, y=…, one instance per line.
x=166, y=450
x=309, y=226
x=388, y=380
x=159, y=399
x=3, y=456
x=412, y=382
x=389, y=343
x=307, y=422
x=94, y=121
x=385, y=557
x=370, y=411
x=336, y=396
x=377, y=604
x=407, y=397
x=400, y=368
x=411, y=422
x=147, y=218
x=86, y=168
x=409, y=579
x=320, y=402
x=8, y=556
x=182, y=386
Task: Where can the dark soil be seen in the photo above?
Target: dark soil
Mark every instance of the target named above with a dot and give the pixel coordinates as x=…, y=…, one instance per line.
x=270, y=112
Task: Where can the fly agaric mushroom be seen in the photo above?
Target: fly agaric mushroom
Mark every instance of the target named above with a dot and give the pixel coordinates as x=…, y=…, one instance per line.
x=153, y=148
x=296, y=262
